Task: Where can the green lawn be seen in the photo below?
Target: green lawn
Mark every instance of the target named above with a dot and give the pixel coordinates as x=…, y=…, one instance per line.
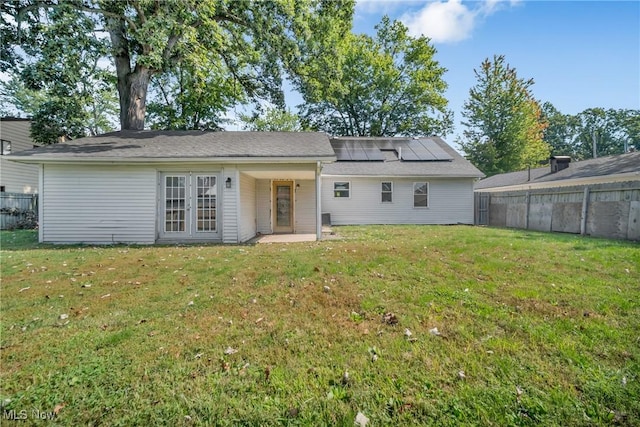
x=532, y=329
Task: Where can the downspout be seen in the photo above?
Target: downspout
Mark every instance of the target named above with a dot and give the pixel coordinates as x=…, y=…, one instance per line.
x=318, y=201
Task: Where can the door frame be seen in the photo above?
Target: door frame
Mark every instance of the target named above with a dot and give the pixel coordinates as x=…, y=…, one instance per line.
x=274, y=208
x=191, y=209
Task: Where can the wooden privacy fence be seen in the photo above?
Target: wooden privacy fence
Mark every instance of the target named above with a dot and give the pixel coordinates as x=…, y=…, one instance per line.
x=18, y=210
x=605, y=210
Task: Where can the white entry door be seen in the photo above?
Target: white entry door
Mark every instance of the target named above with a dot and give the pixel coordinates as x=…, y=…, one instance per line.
x=189, y=206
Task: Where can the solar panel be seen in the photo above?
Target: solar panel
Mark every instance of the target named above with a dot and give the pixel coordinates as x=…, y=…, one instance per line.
x=405, y=152
x=421, y=151
x=371, y=150
x=435, y=149
x=356, y=151
x=383, y=144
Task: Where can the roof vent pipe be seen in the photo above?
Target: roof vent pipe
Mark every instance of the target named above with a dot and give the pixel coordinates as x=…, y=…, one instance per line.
x=399, y=153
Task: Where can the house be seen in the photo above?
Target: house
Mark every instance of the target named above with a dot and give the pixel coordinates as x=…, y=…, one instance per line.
x=15, y=177
x=398, y=181
x=562, y=172
x=192, y=186
x=179, y=186
x=597, y=197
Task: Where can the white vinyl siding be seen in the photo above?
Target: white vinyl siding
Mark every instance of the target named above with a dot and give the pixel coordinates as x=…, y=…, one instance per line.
x=305, y=207
x=98, y=204
x=247, y=207
x=450, y=202
x=230, y=208
x=17, y=177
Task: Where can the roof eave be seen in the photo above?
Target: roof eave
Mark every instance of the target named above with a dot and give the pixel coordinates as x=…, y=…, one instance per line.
x=427, y=175
x=167, y=160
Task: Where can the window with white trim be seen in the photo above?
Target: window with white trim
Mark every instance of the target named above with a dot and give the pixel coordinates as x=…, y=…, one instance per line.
x=420, y=194
x=6, y=147
x=386, y=192
x=342, y=189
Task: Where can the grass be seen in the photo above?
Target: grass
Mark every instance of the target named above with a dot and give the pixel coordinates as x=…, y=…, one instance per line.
x=534, y=329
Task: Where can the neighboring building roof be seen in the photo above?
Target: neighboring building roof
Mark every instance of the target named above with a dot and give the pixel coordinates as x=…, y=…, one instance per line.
x=136, y=146
x=392, y=166
x=14, y=119
x=620, y=167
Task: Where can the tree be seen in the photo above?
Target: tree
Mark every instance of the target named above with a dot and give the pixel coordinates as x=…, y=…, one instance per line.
x=188, y=97
x=613, y=131
x=58, y=80
x=503, y=128
x=257, y=41
x=273, y=119
x=561, y=130
x=610, y=130
x=385, y=85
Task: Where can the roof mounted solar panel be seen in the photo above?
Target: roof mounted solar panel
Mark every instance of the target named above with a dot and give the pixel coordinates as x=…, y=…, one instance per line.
x=405, y=152
x=421, y=151
x=356, y=151
x=435, y=149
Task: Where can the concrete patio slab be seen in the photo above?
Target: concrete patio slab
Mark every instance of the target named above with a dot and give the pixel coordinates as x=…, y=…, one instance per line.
x=286, y=238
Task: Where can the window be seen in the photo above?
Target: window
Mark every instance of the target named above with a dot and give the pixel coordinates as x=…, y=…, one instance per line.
x=420, y=194
x=341, y=189
x=6, y=147
x=387, y=192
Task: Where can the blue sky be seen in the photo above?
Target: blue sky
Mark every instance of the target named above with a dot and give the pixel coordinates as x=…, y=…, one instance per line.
x=581, y=54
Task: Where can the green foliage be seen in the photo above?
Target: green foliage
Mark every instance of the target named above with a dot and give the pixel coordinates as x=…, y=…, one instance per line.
x=192, y=97
x=214, y=52
x=614, y=130
x=503, y=125
x=385, y=85
x=59, y=81
x=273, y=119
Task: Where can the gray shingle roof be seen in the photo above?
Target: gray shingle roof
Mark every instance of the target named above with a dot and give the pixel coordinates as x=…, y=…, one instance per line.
x=457, y=167
x=142, y=145
x=601, y=166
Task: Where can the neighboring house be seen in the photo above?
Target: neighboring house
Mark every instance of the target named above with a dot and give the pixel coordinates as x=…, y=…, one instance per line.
x=562, y=172
x=598, y=197
x=16, y=177
x=179, y=186
x=398, y=181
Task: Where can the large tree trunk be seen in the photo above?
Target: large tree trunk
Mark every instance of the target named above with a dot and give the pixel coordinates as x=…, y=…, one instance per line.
x=132, y=84
x=133, y=98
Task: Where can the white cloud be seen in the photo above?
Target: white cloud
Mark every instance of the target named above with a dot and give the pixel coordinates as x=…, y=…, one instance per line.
x=450, y=21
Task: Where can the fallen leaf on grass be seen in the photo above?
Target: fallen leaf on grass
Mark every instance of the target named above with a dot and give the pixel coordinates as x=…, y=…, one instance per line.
x=434, y=331
x=390, y=319
x=361, y=420
x=25, y=289
x=230, y=351
x=58, y=408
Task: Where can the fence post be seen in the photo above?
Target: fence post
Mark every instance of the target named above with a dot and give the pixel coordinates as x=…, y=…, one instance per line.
x=583, y=214
x=527, y=199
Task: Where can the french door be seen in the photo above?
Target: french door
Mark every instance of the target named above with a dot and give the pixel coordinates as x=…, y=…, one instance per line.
x=189, y=207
